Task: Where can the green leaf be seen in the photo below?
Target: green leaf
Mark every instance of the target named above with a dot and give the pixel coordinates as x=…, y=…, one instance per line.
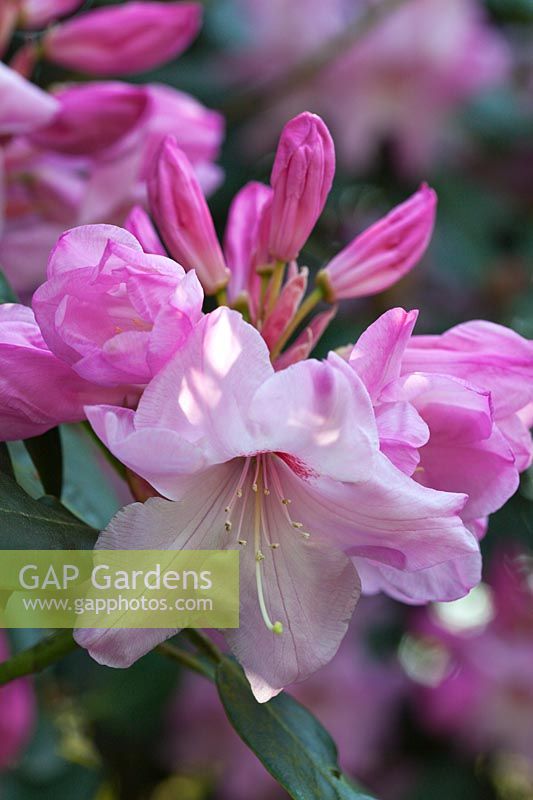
x=290, y=742
x=47, y=457
x=7, y=295
x=43, y=524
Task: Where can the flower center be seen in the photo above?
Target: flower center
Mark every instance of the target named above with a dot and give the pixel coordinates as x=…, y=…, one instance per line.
x=259, y=485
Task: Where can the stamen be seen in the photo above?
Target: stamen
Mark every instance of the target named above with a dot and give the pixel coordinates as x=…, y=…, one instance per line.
x=228, y=526
x=242, y=542
x=275, y=627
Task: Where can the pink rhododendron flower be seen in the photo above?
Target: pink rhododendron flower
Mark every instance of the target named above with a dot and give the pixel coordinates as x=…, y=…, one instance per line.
x=120, y=40
x=17, y=714
x=72, y=174
x=301, y=180
x=24, y=106
x=294, y=496
x=441, y=429
x=108, y=317
x=113, y=312
x=482, y=692
x=385, y=252
x=398, y=84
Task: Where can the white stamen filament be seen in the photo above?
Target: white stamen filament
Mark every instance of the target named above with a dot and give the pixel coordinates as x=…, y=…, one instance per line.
x=275, y=627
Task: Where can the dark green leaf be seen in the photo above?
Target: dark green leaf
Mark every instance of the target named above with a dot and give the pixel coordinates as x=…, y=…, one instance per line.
x=47, y=457
x=288, y=740
x=44, y=524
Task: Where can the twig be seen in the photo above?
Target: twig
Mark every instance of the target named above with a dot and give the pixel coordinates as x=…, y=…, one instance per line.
x=36, y=658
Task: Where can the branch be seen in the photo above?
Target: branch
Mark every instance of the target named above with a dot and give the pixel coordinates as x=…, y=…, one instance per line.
x=36, y=658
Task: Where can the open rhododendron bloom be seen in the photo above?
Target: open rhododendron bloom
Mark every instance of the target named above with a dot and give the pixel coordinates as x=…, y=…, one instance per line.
x=106, y=320
x=284, y=466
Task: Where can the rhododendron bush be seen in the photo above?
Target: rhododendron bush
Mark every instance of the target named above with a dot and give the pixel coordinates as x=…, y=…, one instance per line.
x=321, y=367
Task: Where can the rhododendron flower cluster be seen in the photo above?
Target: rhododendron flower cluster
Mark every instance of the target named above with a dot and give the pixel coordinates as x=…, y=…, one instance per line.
x=81, y=153
x=374, y=472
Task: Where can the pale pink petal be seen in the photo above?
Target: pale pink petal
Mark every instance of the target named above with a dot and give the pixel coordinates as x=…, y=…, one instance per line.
x=204, y=393
x=159, y=455
x=487, y=355
x=159, y=525
x=322, y=416
x=377, y=355
x=309, y=587
x=402, y=431
x=443, y=582
x=389, y=518
x=84, y=247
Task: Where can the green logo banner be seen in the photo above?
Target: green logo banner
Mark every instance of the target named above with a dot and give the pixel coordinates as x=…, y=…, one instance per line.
x=119, y=589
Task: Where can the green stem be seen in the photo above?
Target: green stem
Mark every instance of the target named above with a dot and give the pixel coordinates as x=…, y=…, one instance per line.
x=204, y=644
x=222, y=297
x=307, y=306
x=185, y=659
x=274, y=286
x=36, y=658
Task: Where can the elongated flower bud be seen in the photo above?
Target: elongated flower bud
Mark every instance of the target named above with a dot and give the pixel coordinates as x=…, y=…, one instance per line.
x=123, y=39
x=301, y=178
x=180, y=211
x=140, y=225
x=383, y=253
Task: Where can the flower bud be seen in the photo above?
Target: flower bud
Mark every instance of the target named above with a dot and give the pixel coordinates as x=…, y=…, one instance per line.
x=123, y=39
x=181, y=214
x=92, y=116
x=140, y=225
x=301, y=178
x=383, y=253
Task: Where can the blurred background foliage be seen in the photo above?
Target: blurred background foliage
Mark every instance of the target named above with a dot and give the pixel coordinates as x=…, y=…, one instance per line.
x=103, y=734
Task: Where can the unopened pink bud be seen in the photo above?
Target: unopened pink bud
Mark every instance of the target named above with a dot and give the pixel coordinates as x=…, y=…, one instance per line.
x=93, y=116
x=123, y=39
x=140, y=225
x=181, y=214
x=383, y=253
x=301, y=178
